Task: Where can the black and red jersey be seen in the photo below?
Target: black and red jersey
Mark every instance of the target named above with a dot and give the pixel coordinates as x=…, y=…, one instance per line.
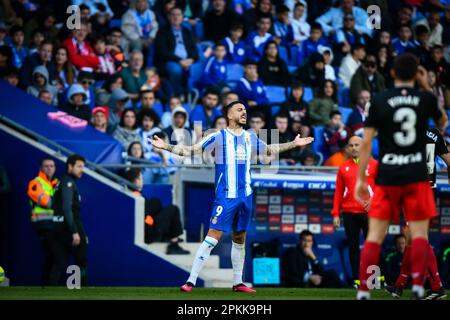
x=435, y=147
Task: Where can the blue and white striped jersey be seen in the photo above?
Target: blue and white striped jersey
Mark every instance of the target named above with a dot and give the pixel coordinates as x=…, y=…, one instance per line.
x=233, y=155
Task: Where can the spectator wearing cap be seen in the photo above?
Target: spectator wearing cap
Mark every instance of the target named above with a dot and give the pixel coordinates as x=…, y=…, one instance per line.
x=332, y=20
x=178, y=131
x=19, y=50
x=366, y=78
x=99, y=118
x=298, y=110
x=432, y=22
x=236, y=48
x=41, y=82
x=351, y=63
x=300, y=27
x=81, y=53
x=42, y=57
x=134, y=76
x=283, y=31
x=116, y=105
x=139, y=25
x=215, y=72
x=217, y=21
x=357, y=117
x=312, y=74
x=76, y=105
x=403, y=42
x=310, y=45
x=273, y=70
x=86, y=79
x=346, y=37
x=126, y=131
x=256, y=40
x=323, y=104
x=175, y=51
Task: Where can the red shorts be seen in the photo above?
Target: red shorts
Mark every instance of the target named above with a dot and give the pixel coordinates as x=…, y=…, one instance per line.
x=416, y=201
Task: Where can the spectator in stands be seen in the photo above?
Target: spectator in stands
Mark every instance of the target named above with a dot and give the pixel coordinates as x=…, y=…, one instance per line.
x=103, y=93
x=3, y=34
x=324, y=103
x=162, y=9
x=310, y=45
x=236, y=47
x=445, y=22
x=217, y=21
x=346, y=37
x=116, y=105
x=175, y=51
x=332, y=20
x=328, y=57
x=437, y=63
x=257, y=123
x=366, y=78
x=393, y=261
x=19, y=50
x=166, y=159
x=351, y=63
x=166, y=118
x=76, y=103
x=148, y=122
x=37, y=37
x=340, y=157
x=133, y=76
x=384, y=64
x=227, y=98
x=438, y=89
x=404, y=17
x=298, y=110
x=106, y=66
x=257, y=40
x=96, y=6
x=273, y=70
x=42, y=57
x=335, y=132
x=178, y=131
x=263, y=7
x=309, y=158
x=403, y=43
x=283, y=31
x=139, y=25
x=284, y=135
x=41, y=82
x=86, y=79
x=136, y=155
x=45, y=96
x=126, y=131
x=100, y=118
x=147, y=100
x=10, y=75
x=100, y=21
x=312, y=73
x=161, y=224
x=302, y=268
x=357, y=117
x=81, y=53
x=5, y=58
x=300, y=27
x=432, y=22
x=220, y=123
x=203, y=116
x=215, y=72
x=43, y=26
x=421, y=49
x=114, y=43
x=251, y=89
x=65, y=71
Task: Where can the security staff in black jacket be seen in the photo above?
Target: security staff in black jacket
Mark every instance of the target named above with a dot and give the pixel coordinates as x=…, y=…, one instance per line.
x=69, y=231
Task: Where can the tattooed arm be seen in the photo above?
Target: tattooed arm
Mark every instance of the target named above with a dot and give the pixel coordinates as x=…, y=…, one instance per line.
x=179, y=150
x=273, y=149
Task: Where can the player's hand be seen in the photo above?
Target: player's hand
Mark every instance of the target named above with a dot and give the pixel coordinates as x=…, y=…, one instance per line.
x=367, y=204
x=158, y=142
x=361, y=191
x=76, y=239
x=336, y=222
x=300, y=142
x=316, y=279
x=309, y=253
x=422, y=78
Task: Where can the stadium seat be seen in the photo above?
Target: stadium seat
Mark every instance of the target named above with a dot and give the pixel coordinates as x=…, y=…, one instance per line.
x=199, y=31
x=195, y=74
x=283, y=53
x=295, y=55
x=235, y=72
x=115, y=23
x=292, y=69
x=275, y=110
x=276, y=94
x=343, y=96
x=308, y=94
x=158, y=108
x=345, y=113
x=330, y=256
x=319, y=145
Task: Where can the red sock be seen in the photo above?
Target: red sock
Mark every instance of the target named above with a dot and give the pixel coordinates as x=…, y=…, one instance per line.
x=432, y=270
x=419, y=254
x=405, y=271
x=370, y=255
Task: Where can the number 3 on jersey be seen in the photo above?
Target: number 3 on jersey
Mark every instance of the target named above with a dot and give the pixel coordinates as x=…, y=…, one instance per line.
x=407, y=118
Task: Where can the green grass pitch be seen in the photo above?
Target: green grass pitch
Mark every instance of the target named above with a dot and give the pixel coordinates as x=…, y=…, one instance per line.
x=146, y=293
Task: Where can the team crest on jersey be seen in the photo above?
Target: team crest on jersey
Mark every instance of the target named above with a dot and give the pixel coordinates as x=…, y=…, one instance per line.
x=214, y=220
x=240, y=153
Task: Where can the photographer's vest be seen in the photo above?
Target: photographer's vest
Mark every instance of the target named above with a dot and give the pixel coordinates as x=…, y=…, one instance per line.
x=39, y=213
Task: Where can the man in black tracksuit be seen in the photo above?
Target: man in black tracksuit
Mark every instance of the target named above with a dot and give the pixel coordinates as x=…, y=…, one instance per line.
x=69, y=231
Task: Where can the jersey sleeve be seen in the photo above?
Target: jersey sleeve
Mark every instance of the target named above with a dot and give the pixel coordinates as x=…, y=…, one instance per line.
x=372, y=120
x=441, y=146
x=434, y=110
x=258, y=145
x=209, y=142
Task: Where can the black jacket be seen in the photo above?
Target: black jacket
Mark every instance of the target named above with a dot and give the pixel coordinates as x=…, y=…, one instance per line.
x=165, y=46
x=82, y=112
x=29, y=64
x=217, y=27
x=274, y=74
x=67, y=206
x=392, y=266
x=296, y=264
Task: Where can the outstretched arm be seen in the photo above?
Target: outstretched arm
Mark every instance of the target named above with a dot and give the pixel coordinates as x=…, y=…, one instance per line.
x=180, y=150
x=282, y=147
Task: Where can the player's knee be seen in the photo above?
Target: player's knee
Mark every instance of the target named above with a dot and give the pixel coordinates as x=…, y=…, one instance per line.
x=238, y=237
x=216, y=234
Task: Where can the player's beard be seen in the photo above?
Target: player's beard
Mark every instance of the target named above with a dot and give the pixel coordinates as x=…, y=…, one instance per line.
x=241, y=121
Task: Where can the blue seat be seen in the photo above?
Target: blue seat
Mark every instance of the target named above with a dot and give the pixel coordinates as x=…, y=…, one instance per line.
x=330, y=257
x=195, y=74
x=319, y=145
x=275, y=110
x=115, y=23
x=345, y=113
x=276, y=94
x=159, y=108
x=343, y=96
x=283, y=52
x=235, y=72
x=295, y=56
x=199, y=31
x=308, y=94
x=292, y=69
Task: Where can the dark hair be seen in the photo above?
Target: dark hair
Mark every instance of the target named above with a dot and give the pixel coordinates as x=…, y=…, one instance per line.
x=282, y=114
x=124, y=113
x=84, y=7
x=420, y=29
x=282, y=8
x=72, y=160
x=97, y=38
x=236, y=25
x=358, y=46
x=131, y=146
x=334, y=113
x=217, y=119
x=398, y=236
x=14, y=29
x=296, y=84
x=258, y=114
x=405, y=66
x=6, y=51
x=227, y=93
x=148, y=113
x=268, y=43
x=142, y=92
x=219, y=44
x=10, y=71
x=264, y=16
x=404, y=25
x=299, y=4
x=46, y=41
x=110, y=80
x=176, y=8
x=316, y=26
x=305, y=233
x=132, y=174
x=161, y=134
x=229, y=106
x=249, y=62
x=43, y=91
x=321, y=91
x=46, y=159
x=211, y=91
x=115, y=29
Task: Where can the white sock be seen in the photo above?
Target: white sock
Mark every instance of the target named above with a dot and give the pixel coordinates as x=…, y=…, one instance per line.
x=201, y=256
x=237, y=260
x=419, y=290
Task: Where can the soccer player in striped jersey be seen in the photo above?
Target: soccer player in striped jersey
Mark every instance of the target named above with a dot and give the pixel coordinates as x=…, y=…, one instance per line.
x=233, y=150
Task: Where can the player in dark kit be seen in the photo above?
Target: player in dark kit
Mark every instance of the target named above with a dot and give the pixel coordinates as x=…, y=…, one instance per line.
x=435, y=147
x=400, y=116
